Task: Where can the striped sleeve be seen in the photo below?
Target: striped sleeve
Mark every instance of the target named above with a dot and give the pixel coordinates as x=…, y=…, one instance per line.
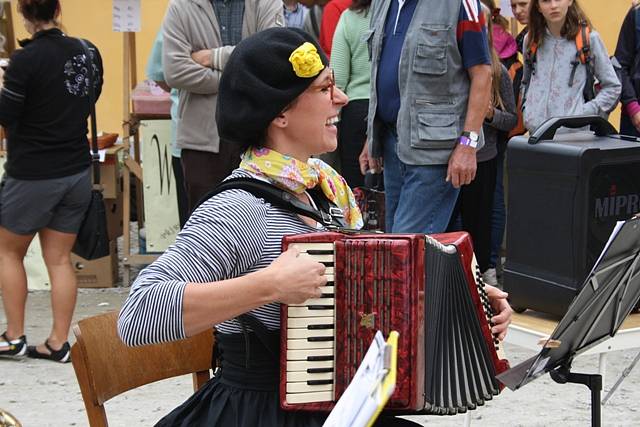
x=223, y=239
x=472, y=34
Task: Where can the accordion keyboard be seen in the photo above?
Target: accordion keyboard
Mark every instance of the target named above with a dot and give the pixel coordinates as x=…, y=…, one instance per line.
x=311, y=336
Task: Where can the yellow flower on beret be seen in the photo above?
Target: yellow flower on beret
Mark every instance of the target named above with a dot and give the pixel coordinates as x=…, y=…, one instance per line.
x=306, y=61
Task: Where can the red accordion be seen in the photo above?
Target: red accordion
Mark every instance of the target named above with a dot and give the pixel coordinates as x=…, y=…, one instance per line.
x=425, y=288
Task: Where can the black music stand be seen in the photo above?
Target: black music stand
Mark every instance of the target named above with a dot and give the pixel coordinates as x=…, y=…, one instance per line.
x=607, y=297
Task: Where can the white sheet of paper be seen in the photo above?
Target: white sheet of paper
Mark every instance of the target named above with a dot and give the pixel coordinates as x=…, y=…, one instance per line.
x=357, y=404
x=614, y=233
x=126, y=16
x=505, y=8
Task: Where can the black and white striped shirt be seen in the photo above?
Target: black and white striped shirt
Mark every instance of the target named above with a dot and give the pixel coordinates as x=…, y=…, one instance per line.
x=230, y=235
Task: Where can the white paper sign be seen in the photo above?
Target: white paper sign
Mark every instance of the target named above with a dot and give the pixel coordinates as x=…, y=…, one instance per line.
x=126, y=16
x=505, y=8
x=37, y=276
x=160, y=200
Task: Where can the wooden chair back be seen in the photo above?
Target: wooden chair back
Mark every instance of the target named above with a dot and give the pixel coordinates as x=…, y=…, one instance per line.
x=105, y=367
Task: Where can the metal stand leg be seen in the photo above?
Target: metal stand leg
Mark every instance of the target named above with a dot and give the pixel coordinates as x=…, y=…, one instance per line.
x=467, y=419
x=602, y=366
x=562, y=375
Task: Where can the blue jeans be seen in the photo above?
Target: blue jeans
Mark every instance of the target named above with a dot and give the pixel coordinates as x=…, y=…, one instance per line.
x=499, y=217
x=417, y=198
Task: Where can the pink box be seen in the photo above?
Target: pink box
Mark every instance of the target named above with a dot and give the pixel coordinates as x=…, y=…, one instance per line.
x=149, y=98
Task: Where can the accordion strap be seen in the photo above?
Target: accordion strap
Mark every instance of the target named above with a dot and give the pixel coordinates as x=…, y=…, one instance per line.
x=328, y=215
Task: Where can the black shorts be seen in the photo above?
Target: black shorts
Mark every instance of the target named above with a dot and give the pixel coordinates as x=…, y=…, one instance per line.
x=27, y=206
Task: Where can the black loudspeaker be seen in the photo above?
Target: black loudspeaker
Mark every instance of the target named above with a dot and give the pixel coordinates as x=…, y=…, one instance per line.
x=565, y=194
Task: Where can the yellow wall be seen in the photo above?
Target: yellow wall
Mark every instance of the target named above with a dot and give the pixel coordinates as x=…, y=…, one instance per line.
x=91, y=19
x=607, y=17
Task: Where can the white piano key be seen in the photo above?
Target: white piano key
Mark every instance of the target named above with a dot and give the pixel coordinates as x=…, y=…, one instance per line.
x=299, y=365
x=303, y=322
x=328, y=289
x=306, y=388
x=304, y=354
x=305, y=312
x=304, y=344
x=326, y=258
x=316, y=301
x=293, y=377
x=296, y=334
x=320, y=396
x=304, y=247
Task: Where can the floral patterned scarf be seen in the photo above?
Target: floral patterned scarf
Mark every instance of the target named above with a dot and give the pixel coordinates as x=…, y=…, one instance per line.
x=291, y=174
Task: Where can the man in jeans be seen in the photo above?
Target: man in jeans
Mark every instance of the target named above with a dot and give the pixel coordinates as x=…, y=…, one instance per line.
x=199, y=36
x=430, y=87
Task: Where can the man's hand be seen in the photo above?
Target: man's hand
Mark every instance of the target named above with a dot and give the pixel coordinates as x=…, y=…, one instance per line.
x=462, y=165
x=202, y=57
x=368, y=163
x=502, y=319
x=635, y=119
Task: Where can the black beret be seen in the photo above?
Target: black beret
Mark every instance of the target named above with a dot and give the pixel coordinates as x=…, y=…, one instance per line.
x=259, y=81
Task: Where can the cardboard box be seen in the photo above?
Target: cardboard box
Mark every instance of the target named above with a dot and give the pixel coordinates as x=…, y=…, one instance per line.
x=99, y=273
x=149, y=98
x=110, y=173
x=113, y=208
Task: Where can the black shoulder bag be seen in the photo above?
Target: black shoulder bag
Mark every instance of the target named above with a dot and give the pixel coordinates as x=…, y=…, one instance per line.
x=92, y=241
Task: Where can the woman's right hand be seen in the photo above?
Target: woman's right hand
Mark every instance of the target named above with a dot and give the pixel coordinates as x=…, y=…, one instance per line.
x=296, y=277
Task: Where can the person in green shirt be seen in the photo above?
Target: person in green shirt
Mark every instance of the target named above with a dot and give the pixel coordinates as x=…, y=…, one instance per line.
x=350, y=63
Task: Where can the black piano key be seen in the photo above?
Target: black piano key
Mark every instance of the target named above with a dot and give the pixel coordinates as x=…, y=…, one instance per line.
x=320, y=307
x=319, y=370
x=318, y=339
x=320, y=327
x=318, y=358
x=320, y=251
x=319, y=382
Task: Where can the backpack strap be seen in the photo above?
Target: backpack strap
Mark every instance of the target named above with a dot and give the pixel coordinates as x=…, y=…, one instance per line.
x=328, y=215
x=529, y=70
x=583, y=51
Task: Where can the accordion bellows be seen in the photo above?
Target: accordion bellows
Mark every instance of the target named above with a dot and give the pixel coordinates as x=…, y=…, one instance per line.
x=424, y=287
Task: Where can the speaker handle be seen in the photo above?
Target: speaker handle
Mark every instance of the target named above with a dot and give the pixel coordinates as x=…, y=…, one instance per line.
x=547, y=130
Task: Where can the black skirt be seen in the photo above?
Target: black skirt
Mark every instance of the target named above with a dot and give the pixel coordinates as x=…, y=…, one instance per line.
x=243, y=391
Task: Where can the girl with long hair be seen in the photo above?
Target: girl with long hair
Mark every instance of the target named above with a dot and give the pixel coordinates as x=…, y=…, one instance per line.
x=555, y=78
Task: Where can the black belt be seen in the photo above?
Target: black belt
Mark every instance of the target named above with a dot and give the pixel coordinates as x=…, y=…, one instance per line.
x=249, y=360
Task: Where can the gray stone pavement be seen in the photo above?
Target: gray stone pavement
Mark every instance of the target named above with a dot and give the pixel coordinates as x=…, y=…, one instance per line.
x=42, y=393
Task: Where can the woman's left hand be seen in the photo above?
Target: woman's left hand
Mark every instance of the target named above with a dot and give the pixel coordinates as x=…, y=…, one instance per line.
x=502, y=319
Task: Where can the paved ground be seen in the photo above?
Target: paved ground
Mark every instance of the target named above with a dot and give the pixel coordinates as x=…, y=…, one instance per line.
x=42, y=393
